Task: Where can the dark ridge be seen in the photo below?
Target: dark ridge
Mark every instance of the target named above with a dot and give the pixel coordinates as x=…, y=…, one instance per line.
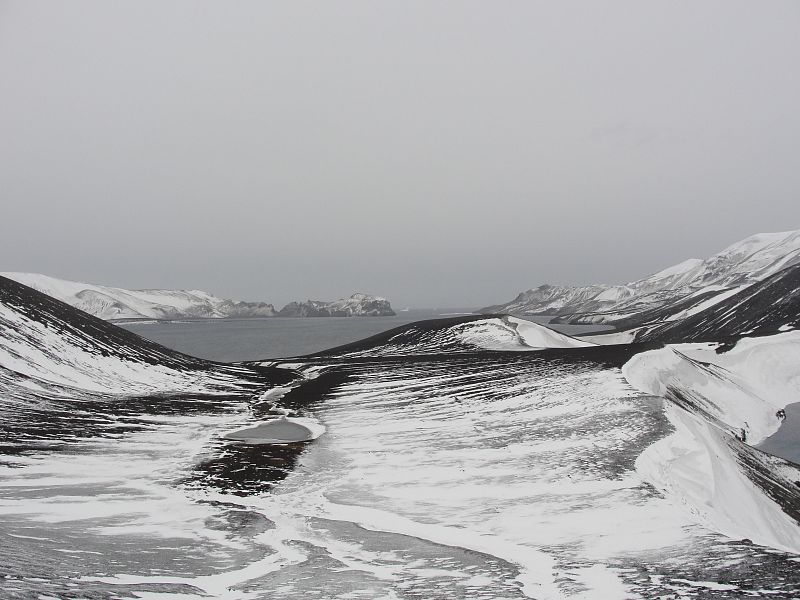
x=760, y=309
x=609, y=355
x=111, y=340
x=315, y=390
x=412, y=336
x=412, y=329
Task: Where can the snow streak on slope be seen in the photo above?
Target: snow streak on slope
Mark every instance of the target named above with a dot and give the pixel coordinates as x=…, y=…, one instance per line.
x=459, y=334
x=720, y=403
x=764, y=308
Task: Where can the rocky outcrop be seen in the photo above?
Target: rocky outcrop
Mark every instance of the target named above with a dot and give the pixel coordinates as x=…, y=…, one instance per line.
x=357, y=305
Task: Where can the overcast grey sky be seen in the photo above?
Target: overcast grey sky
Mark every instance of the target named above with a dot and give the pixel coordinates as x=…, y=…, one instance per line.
x=438, y=153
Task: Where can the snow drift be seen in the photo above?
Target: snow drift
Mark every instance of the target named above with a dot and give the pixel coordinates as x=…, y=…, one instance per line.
x=720, y=404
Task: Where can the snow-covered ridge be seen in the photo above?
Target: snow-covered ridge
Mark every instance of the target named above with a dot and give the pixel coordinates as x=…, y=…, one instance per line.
x=720, y=405
x=112, y=303
x=734, y=268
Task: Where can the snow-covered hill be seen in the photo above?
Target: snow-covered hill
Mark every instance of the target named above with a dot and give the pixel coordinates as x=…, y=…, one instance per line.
x=112, y=303
x=741, y=264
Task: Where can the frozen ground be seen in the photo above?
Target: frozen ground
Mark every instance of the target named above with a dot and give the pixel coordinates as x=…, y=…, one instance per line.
x=445, y=470
x=505, y=476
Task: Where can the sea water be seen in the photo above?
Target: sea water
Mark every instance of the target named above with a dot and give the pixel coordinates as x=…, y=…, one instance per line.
x=231, y=340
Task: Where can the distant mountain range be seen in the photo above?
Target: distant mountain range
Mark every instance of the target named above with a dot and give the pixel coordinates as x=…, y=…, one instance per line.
x=111, y=303
x=684, y=289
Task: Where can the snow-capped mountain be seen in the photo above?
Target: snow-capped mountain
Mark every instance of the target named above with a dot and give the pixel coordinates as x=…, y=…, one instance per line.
x=357, y=305
x=741, y=264
x=112, y=303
